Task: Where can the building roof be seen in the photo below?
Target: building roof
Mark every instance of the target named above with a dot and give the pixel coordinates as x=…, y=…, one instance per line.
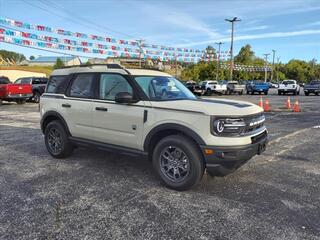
x=53, y=59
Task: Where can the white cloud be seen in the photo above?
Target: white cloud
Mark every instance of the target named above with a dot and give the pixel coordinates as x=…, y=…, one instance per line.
x=258, y=36
x=262, y=27
x=314, y=24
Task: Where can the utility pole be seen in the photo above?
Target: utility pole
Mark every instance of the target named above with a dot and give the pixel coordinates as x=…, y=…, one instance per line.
x=266, y=65
x=278, y=61
x=235, y=19
x=140, y=41
x=218, y=60
x=273, y=56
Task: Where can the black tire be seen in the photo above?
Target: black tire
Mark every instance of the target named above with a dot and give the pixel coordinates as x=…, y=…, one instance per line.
x=279, y=93
x=306, y=93
x=265, y=92
x=259, y=93
x=248, y=92
x=20, y=101
x=241, y=92
x=193, y=155
x=317, y=94
x=252, y=93
x=209, y=92
x=298, y=93
x=294, y=93
x=0, y=102
x=65, y=148
x=36, y=97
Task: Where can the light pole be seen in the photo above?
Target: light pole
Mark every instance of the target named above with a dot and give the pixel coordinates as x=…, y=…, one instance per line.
x=278, y=61
x=140, y=41
x=266, y=65
x=235, y=19
x=218, y=60
x=273, y=57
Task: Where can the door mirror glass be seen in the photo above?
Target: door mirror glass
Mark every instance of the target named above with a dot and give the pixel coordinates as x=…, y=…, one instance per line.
x=124, y=97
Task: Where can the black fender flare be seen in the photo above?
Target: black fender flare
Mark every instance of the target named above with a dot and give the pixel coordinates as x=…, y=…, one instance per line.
x=56, y=115
x=172, y=126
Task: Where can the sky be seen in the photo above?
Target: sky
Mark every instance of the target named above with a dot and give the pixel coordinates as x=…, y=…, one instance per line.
x=291, y=27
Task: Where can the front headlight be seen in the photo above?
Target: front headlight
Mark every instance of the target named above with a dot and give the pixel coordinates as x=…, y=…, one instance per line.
x=228, y=126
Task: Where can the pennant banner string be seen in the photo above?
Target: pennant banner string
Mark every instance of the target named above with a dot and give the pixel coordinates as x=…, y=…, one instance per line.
x=42, y=28
x=108, y=53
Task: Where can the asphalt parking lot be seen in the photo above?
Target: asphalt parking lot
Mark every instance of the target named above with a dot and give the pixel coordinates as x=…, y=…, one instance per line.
x=99, y=195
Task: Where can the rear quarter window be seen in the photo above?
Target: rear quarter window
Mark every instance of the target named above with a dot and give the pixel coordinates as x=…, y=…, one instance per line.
x=4, y=80
x=57, y=84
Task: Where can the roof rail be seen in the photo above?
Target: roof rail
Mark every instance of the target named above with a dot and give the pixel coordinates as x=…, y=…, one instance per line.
x=108, y=65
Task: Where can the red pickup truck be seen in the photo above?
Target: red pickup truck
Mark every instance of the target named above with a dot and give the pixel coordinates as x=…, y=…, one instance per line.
x=10, y=92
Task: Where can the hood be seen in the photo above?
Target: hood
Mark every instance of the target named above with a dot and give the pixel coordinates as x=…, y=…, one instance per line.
x=216, y=107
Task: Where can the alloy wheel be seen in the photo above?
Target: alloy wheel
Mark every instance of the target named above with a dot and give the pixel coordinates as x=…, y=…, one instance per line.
x=174, y=164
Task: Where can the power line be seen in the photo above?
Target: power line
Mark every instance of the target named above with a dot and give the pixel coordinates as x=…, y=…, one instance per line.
x=48, y=11
x=60, y=8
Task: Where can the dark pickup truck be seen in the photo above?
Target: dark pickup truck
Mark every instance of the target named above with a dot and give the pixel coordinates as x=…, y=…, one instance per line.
x=313, y=87
x=38, y=86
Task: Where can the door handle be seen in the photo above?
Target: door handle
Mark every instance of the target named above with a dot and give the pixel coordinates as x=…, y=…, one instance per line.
x=66, y=105
x=102, y=109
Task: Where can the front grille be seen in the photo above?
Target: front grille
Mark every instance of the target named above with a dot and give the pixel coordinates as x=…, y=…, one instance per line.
x=259, y=137
x=254, y=122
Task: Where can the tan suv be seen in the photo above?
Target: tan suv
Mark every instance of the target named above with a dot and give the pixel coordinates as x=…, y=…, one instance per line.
x=119, y=109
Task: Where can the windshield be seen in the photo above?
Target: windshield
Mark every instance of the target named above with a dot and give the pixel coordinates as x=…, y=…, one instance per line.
x=288, y=82
x=160, y=88
x=258, y=81
x=315, y=83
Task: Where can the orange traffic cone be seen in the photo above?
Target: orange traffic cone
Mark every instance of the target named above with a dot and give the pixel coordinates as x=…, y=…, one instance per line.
x=261, y=102
x=296, y=107
x=267, y=106
x=288, y=103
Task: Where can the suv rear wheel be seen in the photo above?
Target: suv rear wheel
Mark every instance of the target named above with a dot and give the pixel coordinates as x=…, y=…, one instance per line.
x=56, y=140
x=178, y=162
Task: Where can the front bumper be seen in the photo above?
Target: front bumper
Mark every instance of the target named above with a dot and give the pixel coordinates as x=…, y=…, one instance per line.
x=225, y=160
x=260, y=90
x=287, y=90
x=310, y=90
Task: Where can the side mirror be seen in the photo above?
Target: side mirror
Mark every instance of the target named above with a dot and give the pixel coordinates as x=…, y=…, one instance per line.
x=124, y=97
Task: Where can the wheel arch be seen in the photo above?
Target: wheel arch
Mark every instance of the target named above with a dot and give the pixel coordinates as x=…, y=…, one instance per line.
x=52, y=116
x=166, y=129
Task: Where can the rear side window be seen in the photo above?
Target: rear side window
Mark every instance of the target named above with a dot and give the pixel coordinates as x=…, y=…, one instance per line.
x=18, y=81
x=57, y=84
x=25, y=80
x=82, y=85
x=4, y=80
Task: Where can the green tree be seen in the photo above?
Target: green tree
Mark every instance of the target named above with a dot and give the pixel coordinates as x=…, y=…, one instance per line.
x=59, y=64
x=245, y=55
x=17, y=57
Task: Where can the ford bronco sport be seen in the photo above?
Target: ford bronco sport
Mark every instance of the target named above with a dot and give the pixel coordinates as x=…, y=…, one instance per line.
x=113, y=108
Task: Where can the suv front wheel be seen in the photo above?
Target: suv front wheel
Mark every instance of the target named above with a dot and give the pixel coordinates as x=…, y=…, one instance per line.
x=56, y=140
x=178, y=162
